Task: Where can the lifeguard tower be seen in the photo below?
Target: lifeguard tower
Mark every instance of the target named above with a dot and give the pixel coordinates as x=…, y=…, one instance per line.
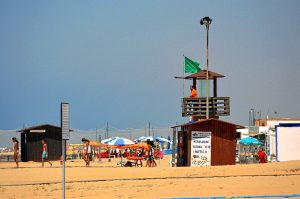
x=207, y=140
x=197, y=107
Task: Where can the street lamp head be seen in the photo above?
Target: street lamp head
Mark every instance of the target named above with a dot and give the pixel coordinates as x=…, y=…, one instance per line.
x=205, y=21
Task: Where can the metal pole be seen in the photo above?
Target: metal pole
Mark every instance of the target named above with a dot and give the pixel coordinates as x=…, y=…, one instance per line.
x=63, y=167
x=174, y=147
x=207, y=86
x=149, y=130
x=65, y=130
x=183, y=82
x=96, y=134
x=100, y=159
x=106, y=136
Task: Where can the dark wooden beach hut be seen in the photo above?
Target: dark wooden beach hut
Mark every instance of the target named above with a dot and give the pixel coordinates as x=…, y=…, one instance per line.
x=222, y=144
x=31, y=145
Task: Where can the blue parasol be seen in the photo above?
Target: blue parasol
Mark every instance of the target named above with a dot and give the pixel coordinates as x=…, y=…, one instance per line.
x=250, y=141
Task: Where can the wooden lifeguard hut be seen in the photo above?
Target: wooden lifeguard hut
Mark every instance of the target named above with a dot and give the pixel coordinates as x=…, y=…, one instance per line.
x=218, y=106
x=206, y=140
x=31, y=142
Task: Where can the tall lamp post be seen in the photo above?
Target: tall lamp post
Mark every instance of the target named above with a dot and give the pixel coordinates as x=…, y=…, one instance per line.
x=206, y=21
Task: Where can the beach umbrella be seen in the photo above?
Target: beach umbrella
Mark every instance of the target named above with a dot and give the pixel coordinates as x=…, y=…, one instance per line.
x=138, y=145
x=160, y=139
x=155, y=138
x=108, y=140
x=139, y=139
x=94, y=143
x=250, y=141
x=119, y=141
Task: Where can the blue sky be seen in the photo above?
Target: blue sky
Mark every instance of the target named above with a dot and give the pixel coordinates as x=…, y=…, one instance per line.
x=115, y=61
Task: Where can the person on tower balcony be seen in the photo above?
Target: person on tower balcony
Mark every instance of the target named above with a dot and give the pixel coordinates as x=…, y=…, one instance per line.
x=193, y=93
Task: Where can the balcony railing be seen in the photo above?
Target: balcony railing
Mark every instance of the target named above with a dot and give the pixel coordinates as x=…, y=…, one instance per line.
x=218, y=106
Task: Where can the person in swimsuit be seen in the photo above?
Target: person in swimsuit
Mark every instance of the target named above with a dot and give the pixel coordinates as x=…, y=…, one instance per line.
x=86, y=151
x=45, y=153
x=149, y=154
x=16, y=150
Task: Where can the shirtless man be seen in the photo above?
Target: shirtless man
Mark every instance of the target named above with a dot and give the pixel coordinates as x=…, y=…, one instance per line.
x=45, y=153
x=16, y=150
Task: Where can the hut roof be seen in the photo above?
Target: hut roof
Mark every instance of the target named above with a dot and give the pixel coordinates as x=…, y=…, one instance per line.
x=38, y=127
x=202, y=75
x=206, y=120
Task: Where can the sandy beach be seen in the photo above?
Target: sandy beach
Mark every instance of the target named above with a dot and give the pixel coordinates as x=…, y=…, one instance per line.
x=107, y=180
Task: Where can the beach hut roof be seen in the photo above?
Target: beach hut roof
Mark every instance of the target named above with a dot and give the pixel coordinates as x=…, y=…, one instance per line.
x=39, y=127
x=206, y=120
x=202, y=75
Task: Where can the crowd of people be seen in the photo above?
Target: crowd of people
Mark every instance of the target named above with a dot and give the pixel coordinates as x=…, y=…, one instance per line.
x=149, y=153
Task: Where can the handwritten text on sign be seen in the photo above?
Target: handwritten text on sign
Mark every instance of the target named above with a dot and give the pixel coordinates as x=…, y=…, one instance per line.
x=201, y=148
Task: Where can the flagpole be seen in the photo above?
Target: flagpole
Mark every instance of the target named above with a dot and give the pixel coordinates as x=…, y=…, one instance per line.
x=207, y=83
x=183, y=82
x=206, y=21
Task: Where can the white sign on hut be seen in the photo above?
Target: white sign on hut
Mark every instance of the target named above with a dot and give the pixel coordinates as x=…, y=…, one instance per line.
x=201, y=149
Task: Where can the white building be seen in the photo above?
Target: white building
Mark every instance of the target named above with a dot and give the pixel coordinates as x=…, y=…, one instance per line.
x=281, y=139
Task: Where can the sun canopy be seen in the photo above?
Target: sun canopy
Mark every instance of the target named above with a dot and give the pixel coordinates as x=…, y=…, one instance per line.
x=94, y=143
x=138, y=145
x=108, y=140
x=250, y=141
x=119, y=141
x=153, y=138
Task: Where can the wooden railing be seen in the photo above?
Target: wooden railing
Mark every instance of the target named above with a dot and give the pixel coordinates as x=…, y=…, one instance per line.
x=218, y=106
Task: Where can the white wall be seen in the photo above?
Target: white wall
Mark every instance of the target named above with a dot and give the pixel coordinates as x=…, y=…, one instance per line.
x=272, y=123
x=288, y=143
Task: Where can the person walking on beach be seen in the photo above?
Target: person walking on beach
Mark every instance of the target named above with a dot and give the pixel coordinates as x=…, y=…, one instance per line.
x=86, y=151
x=45, y=153
x=149, y=154
x=16, y=150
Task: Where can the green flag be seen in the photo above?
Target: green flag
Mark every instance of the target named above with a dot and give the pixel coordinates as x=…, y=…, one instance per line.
x=191, y=66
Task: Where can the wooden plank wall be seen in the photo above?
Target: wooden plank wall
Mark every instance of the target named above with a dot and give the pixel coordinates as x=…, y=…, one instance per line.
x=34, y=145
x=223, y=141
x=54, y=139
